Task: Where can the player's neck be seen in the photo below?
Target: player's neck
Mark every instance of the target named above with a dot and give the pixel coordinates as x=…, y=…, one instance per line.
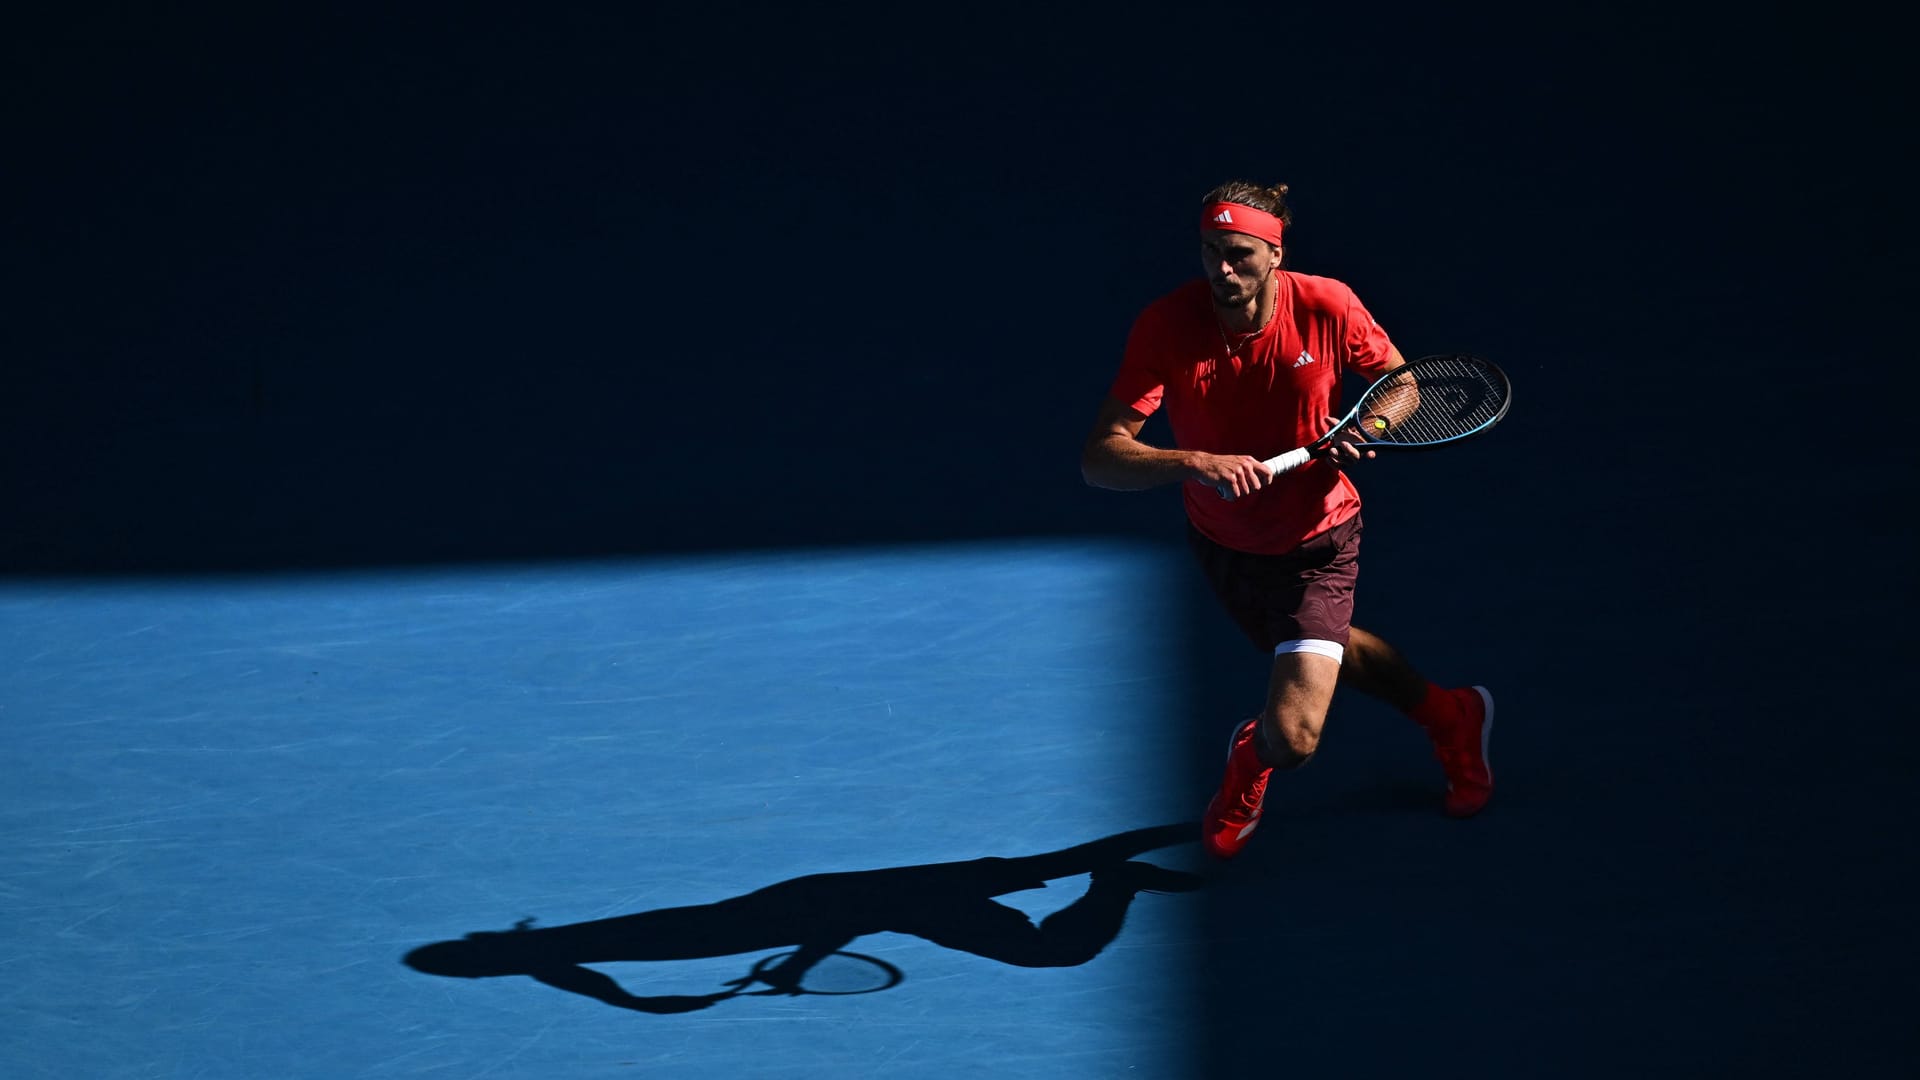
x=1255, y=314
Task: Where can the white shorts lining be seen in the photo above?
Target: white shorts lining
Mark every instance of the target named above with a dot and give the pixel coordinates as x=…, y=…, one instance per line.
x=1333, y=650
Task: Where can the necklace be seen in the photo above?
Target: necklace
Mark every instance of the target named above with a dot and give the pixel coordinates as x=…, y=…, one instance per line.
x=1233, y=347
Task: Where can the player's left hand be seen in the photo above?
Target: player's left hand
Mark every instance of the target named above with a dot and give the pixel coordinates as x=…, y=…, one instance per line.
x=1348, y=447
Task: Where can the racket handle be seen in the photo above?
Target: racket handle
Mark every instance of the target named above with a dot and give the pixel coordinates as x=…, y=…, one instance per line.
x=1288, y=461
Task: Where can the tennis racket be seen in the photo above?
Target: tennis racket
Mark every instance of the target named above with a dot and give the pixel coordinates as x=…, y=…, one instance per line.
x=1419, y=405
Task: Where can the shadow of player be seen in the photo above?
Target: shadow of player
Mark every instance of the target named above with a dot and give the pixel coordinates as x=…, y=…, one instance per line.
x=950, y=904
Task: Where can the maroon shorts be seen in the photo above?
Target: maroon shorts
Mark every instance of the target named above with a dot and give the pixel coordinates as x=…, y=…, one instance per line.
x=1306, y=593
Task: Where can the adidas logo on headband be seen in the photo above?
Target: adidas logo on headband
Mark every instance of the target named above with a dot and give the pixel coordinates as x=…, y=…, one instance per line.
x=1237, y=217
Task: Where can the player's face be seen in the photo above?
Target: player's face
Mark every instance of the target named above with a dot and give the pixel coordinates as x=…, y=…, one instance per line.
x=1237, y=266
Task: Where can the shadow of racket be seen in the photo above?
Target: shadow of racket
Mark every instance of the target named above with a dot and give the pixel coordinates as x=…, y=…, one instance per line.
x=836, y=974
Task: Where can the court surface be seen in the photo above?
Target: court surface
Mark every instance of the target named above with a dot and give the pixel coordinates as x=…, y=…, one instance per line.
x=599, y=818
x=235, y=807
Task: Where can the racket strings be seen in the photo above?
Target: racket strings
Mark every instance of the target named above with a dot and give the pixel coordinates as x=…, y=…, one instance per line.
x=1435, y=400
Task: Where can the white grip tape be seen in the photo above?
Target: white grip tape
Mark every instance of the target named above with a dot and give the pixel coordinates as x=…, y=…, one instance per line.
x=1288, y=461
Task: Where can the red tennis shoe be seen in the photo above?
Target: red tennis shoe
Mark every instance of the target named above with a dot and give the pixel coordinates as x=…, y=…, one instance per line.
x=1234, y=811
x=1460, y=742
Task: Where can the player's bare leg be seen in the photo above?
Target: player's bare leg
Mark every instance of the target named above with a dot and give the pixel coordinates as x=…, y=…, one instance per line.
x=1458, y=720
x=1375, y=668
x=1299, y=690
x=1283, y=736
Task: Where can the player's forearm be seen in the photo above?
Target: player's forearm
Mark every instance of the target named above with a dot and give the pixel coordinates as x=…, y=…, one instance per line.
x=1119, y=463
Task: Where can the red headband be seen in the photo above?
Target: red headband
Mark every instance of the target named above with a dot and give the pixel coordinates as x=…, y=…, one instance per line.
x=1241, y=218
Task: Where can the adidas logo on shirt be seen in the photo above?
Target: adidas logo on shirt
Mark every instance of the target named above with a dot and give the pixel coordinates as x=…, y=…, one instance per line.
x=1303, y=359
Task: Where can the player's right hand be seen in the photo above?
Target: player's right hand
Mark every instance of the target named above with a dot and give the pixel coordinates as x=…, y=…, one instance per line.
x=1232, y=475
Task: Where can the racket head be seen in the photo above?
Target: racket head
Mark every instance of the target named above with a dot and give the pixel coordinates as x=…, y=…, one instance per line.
x=836, y=974
x=1431, y=401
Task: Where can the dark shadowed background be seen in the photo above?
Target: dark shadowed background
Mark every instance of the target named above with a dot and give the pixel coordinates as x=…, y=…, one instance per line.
x=458, y=285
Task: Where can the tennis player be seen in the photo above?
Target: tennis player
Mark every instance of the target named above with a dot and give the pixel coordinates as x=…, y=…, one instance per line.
x=1248, y=361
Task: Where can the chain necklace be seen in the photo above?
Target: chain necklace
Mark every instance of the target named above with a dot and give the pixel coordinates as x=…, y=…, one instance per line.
x=1253, y=333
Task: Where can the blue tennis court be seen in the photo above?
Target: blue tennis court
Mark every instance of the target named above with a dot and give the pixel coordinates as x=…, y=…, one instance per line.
x=596, y=818
x=236, y=805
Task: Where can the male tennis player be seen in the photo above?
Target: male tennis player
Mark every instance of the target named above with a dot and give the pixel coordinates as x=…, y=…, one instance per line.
x=1248, y=361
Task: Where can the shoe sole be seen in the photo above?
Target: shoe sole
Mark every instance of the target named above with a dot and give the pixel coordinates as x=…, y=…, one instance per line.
x=1486, y=730
x=1233, y=737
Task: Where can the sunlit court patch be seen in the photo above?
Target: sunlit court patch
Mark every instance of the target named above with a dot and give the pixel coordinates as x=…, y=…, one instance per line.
x=236, y=804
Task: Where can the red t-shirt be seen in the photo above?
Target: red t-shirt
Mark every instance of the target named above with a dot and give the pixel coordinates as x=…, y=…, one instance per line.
x=1278, y=391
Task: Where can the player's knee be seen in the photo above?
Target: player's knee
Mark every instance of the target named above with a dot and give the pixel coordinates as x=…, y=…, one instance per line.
x=1288, y=746
x=1301, y=742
